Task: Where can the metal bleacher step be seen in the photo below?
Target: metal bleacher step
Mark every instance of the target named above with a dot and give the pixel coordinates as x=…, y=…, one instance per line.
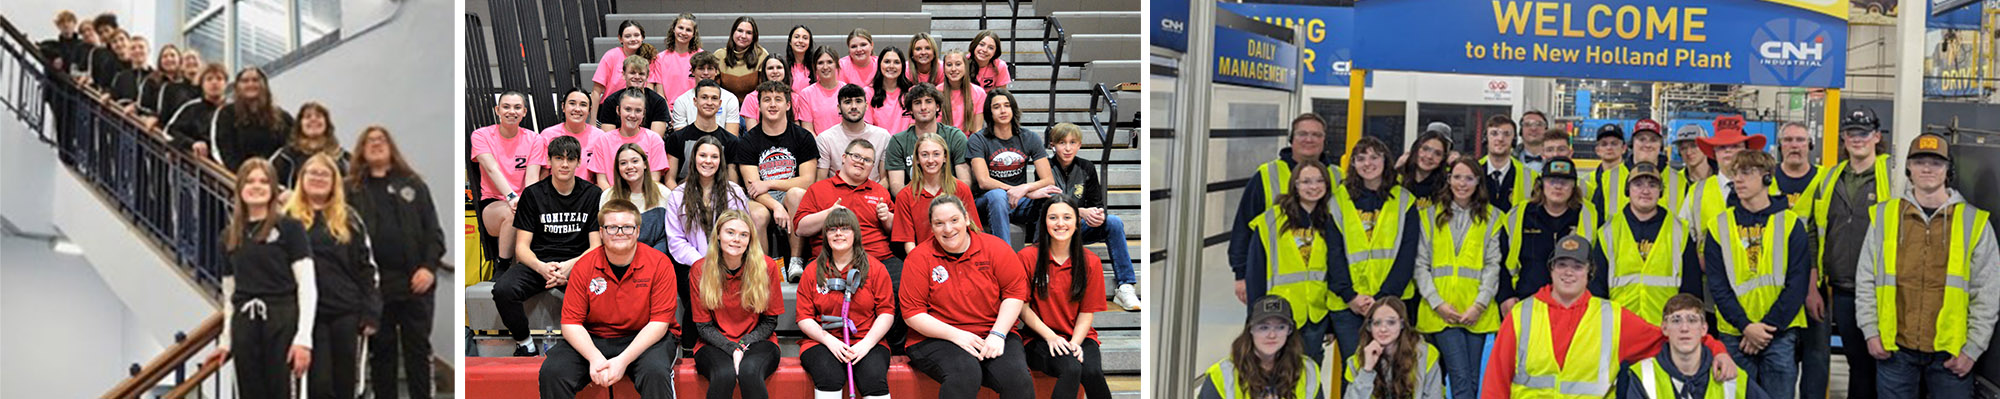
x=1027, y=23
x=1043, y=74
x=970, y=11
x=771, y=43
x=821, y=23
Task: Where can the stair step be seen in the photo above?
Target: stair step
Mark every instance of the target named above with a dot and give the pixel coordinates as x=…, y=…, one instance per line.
x=773, y=42
x=1027, y=23
x=1000, y=10
x=780, y=23
x=1093, y=22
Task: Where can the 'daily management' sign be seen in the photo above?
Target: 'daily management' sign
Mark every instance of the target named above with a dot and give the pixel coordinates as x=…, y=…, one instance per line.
x=1760, y=42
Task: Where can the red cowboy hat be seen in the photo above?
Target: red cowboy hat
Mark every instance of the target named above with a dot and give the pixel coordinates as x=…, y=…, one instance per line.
x=1729, y=131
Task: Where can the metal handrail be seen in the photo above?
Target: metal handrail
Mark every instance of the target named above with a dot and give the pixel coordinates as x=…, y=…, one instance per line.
x=1052, y=30
x=170, y=360
x=1013, y=32
x=1107, y=133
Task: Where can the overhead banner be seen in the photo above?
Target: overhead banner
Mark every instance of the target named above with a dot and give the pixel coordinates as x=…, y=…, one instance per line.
x=1956, y=60
x=1251, y=59
x=1170, y=21
x=1328, y=36
x=1757, y=42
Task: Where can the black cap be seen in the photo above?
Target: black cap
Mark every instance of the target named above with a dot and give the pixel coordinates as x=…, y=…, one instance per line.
x=1611, y=130
x=1271, y=306
x=1560, y=167
x=1860, y=119
x=1571, y=246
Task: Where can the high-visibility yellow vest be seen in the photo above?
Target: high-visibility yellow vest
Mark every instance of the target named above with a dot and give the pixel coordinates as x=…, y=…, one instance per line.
x=1287, y=270
x=1706, y=200
x=1278, y=179
x=1820, y=196
x=1801, y=202
x=1658, y=385
x=1427, y=364
x=1586, y=225
x=1643, y=280
x=1372, y=245
x=1456, y=266
x=1968, y=225
x=1676, y=189
x=1223, y=376
x=1587, y=371
x=1610, y=182
x=1524, y=179
x=1756, y=284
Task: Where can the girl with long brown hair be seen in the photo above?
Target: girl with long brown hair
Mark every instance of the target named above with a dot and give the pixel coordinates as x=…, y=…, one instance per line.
x=314, y=135
x=885, y=92
x=1298, y=236
x=1458, y=273
x=1371, y=209
x=1393, y=362
x=350, y=299
x=736, y=306
x=269, y=288
x=1066, y=290
x=797, y=44
x=252, y=125
x=987, y=69
x=968, y=100
x=635, y=183
x=740, y=57
x=1267, y=360
x=846, y=315
x=672, y=71
x=396, y=205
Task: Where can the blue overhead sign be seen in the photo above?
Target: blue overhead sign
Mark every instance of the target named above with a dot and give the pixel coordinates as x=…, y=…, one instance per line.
x=1169, y=24
x=1251, y=59
x=1327, y=36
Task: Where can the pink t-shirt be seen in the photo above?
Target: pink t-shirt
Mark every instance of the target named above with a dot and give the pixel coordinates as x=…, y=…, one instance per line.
x=611, y=71
x=936, y=77
x=801, y=76
x=586, y=140
x=656, y=151
x=750, y=108
x=858, y=75
x=817, y=105
x=997, y=76
x=673, y=73
x=958, y=107
x=890, y=115
x=513, y=155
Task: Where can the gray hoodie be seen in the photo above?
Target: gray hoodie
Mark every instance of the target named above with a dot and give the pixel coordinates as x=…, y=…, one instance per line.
x=1984, y=304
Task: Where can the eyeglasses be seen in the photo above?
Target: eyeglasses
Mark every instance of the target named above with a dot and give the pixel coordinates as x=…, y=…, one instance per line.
x=620, y=229
x=1385, y=323
x=860, y=159
x=1269, y=329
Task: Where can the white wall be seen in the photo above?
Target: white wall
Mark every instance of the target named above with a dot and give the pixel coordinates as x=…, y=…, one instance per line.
x=76, y=349
x=36, y=19
x=1414, y=88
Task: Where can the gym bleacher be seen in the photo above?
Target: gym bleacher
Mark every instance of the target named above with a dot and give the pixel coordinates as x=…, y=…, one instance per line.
x=1092, y=83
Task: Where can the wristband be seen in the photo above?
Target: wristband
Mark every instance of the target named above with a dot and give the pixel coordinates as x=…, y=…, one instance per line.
x=996, y=333
x=512, y=196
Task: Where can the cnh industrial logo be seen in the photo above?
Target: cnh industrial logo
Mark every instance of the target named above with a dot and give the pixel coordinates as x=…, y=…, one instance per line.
x=1792, y=52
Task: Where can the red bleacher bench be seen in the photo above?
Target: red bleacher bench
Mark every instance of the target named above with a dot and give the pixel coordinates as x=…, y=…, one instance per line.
x=518, y=377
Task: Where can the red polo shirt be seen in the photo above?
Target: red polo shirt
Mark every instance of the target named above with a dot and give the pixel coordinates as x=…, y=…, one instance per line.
x=1058, y=309
x=877, y=297
x=861, y=199
x=913, y=213
x=962, y=290
x=613, y=307
x=730, y=315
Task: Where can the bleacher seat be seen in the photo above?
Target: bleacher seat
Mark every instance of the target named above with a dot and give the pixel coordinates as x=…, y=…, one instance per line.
x=518, y=377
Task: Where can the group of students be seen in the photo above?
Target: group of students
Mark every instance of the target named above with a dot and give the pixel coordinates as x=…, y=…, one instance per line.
x=1601, y=284
x=623, y=290
x=319, y=253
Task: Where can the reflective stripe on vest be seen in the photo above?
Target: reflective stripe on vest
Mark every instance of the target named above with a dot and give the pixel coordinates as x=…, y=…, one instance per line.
x=1651, y=374
x=1968, y=226
x=1371, y=253
x=1611, y=182
x=1643, y=282
x=1536, y=376
x=1223, y=376
x=1287, y=272
x=1757, y=287
x=1823, y=199
x=1456, y=268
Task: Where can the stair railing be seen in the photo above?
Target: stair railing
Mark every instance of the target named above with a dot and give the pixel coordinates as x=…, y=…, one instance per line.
x=172, y=361
x=1054, y=43
x=1106, y=128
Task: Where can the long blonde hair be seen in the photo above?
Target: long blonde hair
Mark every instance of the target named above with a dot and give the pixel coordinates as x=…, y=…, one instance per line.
x=949, y=185
x=337, y=212
x=755, y=296
x=239, y=226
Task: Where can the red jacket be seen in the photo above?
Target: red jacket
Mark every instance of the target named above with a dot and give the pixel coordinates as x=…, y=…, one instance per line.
x=1638, y=340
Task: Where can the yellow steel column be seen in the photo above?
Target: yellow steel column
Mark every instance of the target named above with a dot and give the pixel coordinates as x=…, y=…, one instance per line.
x=1356, y=109
x=1830, y=143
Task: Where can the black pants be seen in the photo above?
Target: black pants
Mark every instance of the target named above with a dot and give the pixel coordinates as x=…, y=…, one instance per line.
x=898, y=332
x=336, y=358
x=871, y=374
x=405, y=335
x=515, y=285
x=1069, y=372
x=1860, y=365
x=960, y=374
x=725, y=377
x=688, y=335
x=565, y=371
x=260, y=341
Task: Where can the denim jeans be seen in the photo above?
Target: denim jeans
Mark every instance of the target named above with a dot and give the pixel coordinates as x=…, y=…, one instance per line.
x=1112, y=234
x=1776, y=368
x=1814, y=358
x=1313, y=336
x=998, y=217
x=1855, y=346
x=1908, y=371
x=1347, y=330
x=1460, y=353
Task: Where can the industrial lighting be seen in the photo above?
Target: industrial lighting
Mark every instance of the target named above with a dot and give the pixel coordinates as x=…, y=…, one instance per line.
x=64, y=246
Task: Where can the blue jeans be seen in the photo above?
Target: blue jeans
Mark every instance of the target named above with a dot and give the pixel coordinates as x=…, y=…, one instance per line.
x=1312, y=336
x=1112, y=233
x=1347, y=331
x=997, y=217
x=1460, y=353
x=1814, y=357
x=1906, y=371
x=1776, y=368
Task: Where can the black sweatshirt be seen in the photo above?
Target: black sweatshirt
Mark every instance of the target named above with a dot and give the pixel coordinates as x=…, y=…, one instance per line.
x=1792, y=298
x=237, y=137
x=190, y=122
x=345, y=271
x=1079, y=179
x=1340, y=280
x=262, y=264
x=402, y=227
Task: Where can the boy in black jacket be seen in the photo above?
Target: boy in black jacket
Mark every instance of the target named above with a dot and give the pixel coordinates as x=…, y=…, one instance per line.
x=1077, y=178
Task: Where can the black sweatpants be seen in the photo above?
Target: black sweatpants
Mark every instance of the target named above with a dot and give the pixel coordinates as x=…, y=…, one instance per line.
x=336, y=358
x=898, y=332
x=725, y=377
x=871, y=374
x=960, y=374
x=259, y=342
x=564, y=371
x=405, y=335
x=1069, y=372
x=515, y=285
x=688, y=335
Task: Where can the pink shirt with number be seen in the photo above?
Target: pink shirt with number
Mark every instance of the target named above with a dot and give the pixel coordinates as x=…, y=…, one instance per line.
x=996, y=76
x=512, y=154
x=607, y=148
x=586, y=140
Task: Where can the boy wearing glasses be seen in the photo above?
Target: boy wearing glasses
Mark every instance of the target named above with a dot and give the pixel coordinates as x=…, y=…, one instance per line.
x=833, y=141
x=1681, y=370
x=556, y=222
x=851, y=189
x=615, y=321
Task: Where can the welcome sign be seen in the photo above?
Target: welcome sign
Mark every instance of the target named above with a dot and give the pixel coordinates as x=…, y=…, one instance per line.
x=1759, y=42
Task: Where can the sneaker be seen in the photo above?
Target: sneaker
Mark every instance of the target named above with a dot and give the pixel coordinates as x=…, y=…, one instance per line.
x=1128, y=298
x=793, y=271
x=527, y=350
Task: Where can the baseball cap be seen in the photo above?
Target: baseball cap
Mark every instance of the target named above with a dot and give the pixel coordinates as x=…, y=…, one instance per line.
x=1645, y=170
x=1269, y=307
x=1689, y=132
x=1561, y=168
x=1930, y=144
x=1646, y=126
x=1438, y=127
x=1611, y=130
x=1571, y=246
x=1860, y=119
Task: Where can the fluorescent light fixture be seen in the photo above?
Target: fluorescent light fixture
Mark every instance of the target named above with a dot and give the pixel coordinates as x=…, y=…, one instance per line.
x=64, y=246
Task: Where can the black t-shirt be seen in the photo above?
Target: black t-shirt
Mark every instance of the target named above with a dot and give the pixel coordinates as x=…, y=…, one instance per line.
x=345, y=271
x=680, y=144
x=777, y=157
x=656, y=107
x=262, y=264
x=562, y=223
x=238, y=136
x=1790, y=186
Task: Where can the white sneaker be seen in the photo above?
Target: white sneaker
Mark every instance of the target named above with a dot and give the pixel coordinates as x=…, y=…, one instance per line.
x=797, y=267
x=1128, y=298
